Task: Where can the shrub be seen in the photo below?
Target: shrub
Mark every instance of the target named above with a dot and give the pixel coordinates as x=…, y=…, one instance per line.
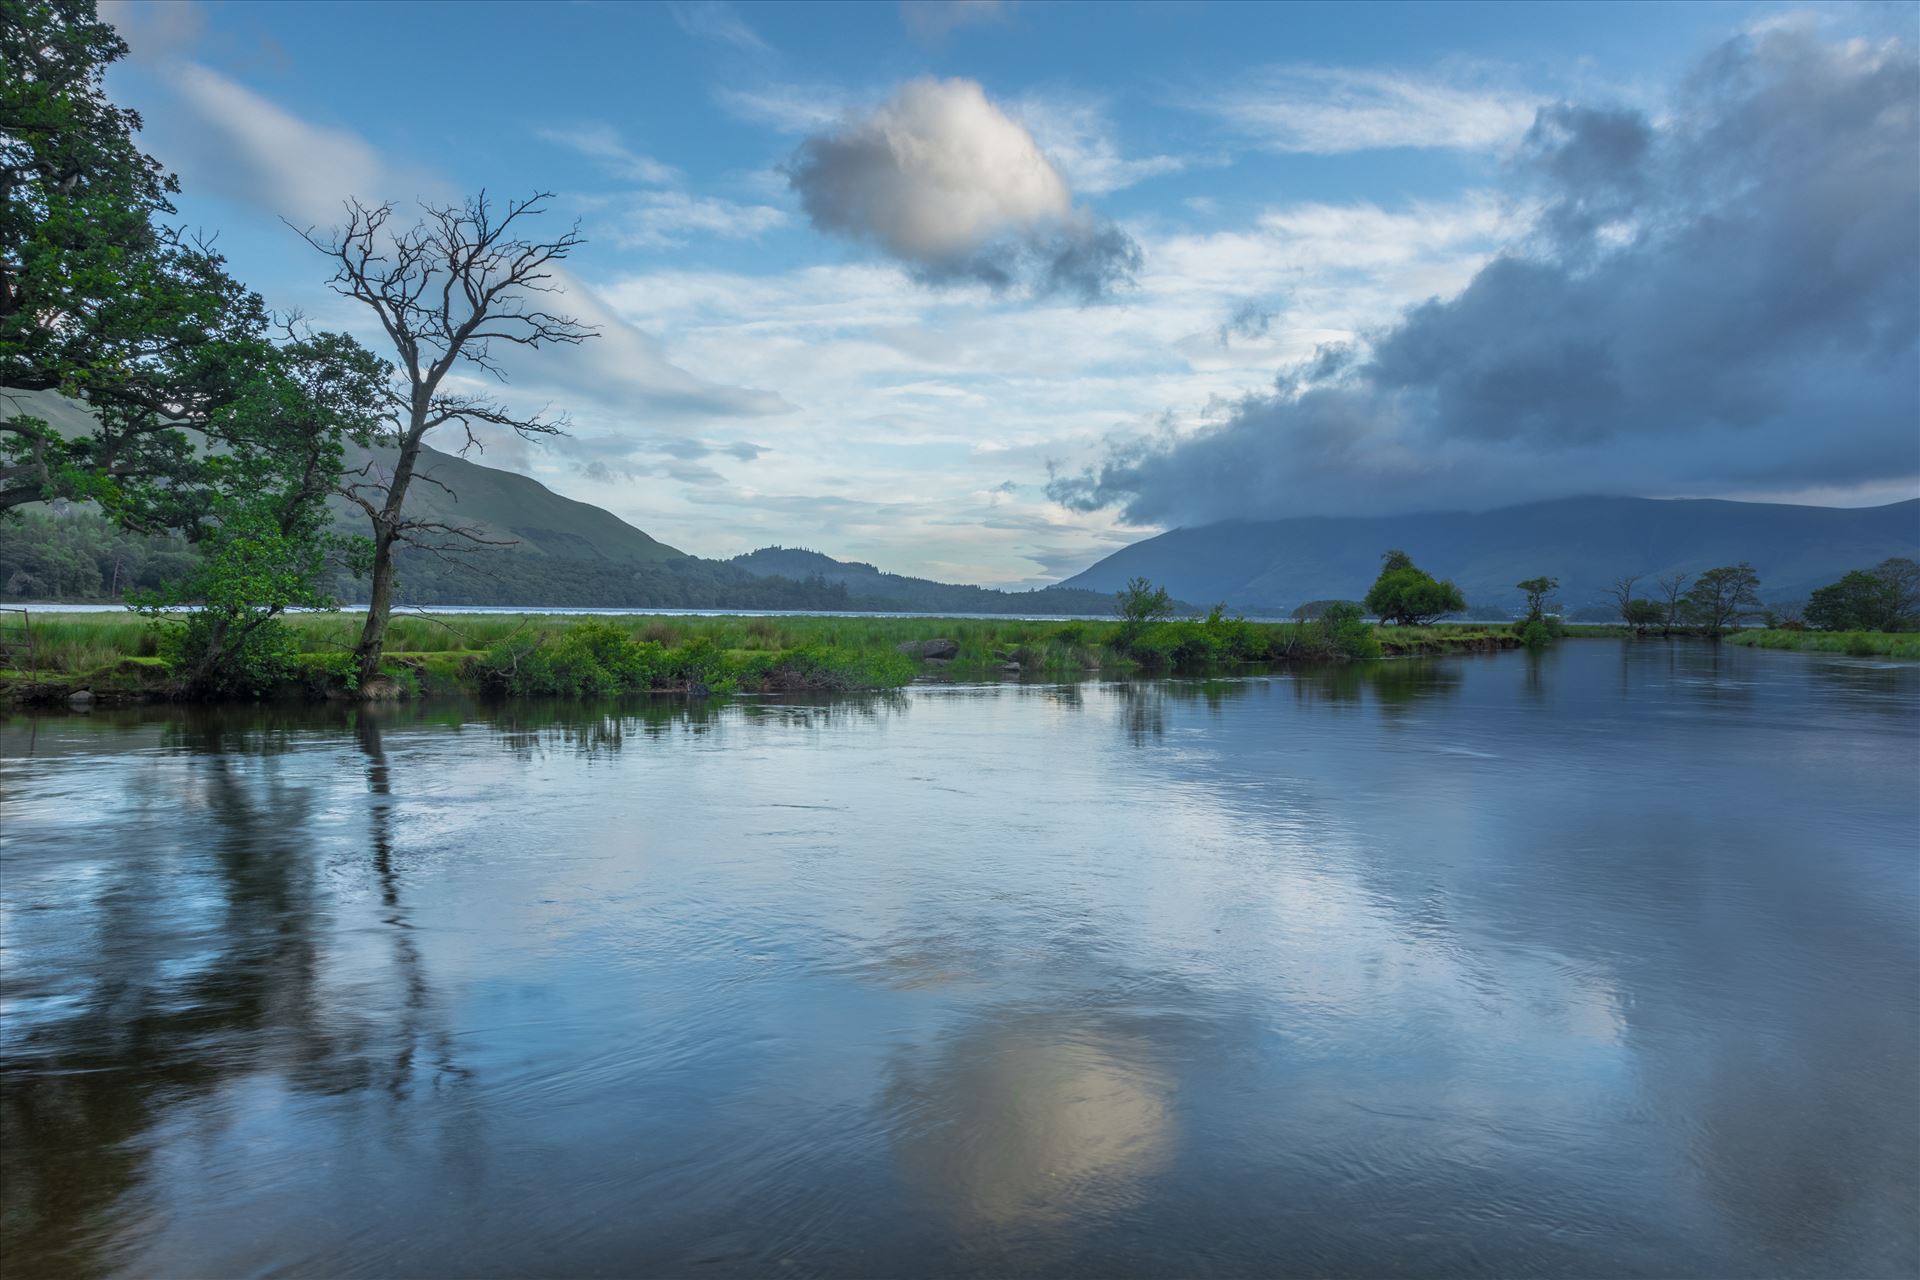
x=1534, y=633
x=223, y=657
x=1343, y=632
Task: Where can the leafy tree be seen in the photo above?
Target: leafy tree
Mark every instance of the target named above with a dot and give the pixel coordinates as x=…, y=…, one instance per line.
x=1139, y=605
x=1884, y=598
x=1404, y=594
x=1902, y=577
x=1720, y=598
x=98, y=299
x=265, y=540
x=1537, y=591
x=448, y=291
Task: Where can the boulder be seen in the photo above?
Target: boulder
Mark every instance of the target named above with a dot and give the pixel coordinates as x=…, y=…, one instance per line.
x=80, y=698
x=929, y=648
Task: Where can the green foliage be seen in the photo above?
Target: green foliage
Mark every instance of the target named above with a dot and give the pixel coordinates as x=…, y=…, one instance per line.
x=1884, y=598
x=1405, y=595
x=1140, y=605
x=1534, y=633
x=575, y=656
x=1313, y=609
x=601, y=658
x=1342, y=631
x=1537, y=592
x=1858, y=644
x=153, y=334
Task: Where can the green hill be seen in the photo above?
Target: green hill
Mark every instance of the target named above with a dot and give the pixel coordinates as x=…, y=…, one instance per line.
x=505, y=506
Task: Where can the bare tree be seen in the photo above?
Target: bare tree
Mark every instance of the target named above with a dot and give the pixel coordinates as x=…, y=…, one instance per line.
x=445, y=289
x=1622, y=593
x=1673, y=590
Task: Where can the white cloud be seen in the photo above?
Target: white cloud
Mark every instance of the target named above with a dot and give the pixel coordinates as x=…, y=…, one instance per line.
x=602, y=142
x=249, y=148
x=785, y=107
x=1328, y=110
x=916, y=409
x=255, y=152
x=931, y=21
x=1077, y=136
x=715, y=20
x=943, y=180
x=663, y=219
x=934, y=173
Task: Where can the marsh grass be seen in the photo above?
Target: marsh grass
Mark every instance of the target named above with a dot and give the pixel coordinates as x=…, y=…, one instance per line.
x=827, y=652
x=1855, y=644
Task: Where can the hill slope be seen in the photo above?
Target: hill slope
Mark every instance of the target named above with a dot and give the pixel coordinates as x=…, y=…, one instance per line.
x=1584, y=542
x=507, y=506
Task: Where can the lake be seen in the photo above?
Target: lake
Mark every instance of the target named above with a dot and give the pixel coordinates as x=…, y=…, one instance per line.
x=1598, y=962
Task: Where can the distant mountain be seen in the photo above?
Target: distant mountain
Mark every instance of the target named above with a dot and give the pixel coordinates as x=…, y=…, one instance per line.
x=1273, y=565
x=563, y=553
x=917, y=595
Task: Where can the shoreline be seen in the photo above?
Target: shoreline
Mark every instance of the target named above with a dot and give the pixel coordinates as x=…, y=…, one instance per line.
x=113, y=659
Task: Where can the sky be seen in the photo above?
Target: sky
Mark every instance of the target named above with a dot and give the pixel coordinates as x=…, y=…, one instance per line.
x=982, y=292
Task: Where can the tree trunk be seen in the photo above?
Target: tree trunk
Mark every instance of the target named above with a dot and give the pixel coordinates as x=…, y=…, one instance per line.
x=386, y=539
x=373, y=636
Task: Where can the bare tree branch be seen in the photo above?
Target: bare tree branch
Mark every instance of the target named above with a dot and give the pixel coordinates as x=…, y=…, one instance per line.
x=445, y=290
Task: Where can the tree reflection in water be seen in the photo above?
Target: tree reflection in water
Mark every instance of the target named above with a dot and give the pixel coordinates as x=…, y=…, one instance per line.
x=220, y=978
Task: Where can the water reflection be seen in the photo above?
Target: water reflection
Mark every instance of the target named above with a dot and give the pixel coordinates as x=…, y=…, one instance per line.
x=1027, y=1120
x=1603, y=963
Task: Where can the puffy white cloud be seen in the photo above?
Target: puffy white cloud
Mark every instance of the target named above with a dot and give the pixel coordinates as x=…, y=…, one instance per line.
x=947, y=183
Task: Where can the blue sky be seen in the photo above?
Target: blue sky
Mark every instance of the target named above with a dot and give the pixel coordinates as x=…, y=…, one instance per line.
x=981, y=292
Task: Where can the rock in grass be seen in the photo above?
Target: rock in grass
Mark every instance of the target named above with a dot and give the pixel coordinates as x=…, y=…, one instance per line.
x=929, y=648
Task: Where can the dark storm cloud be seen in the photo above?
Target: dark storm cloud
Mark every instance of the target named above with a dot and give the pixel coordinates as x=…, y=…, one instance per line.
x=1249, y=320
x=1726, y=300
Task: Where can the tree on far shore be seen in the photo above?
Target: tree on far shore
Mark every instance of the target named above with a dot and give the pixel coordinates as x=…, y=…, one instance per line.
x=1720, y=598
x=1408, y=596
x=1673, y=594
x=1883, y=598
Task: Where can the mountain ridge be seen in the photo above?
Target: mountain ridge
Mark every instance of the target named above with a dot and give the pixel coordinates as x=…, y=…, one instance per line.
x=1274, y=565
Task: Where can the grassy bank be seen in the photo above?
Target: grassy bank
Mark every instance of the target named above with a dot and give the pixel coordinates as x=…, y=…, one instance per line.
x=1855, y=644
x=120, y=657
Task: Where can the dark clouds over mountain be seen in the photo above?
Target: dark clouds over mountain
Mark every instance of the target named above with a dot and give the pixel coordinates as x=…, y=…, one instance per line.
x=1720, y=298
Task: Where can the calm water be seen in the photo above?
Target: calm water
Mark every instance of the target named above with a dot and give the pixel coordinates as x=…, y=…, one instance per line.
x=1601, y=963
